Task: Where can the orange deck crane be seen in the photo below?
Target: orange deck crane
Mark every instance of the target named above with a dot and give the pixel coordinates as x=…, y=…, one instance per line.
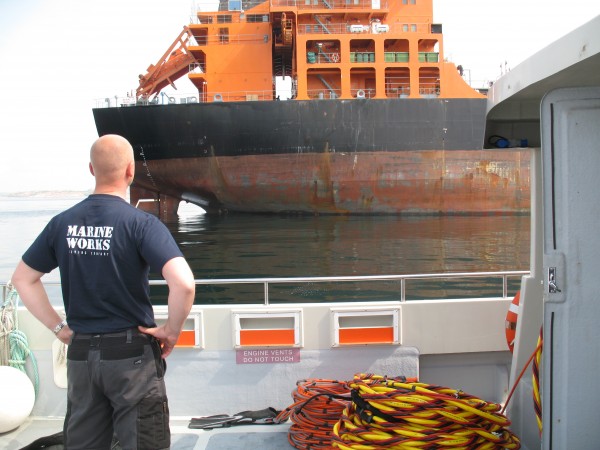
x=171, y=66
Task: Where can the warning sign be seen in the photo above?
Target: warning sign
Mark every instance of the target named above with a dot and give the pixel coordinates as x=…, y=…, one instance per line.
x=268, y=356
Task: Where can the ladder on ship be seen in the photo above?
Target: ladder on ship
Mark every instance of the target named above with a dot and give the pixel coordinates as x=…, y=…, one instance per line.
x=282, y=62
x=322, y=25
x=287, y=31
x=331, y=89
x=283, y=47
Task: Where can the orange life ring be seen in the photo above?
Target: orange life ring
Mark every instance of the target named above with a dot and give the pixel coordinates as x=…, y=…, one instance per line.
x=511, y=322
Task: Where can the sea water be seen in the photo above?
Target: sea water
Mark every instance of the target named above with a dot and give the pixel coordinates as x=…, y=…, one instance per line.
x=250, y=245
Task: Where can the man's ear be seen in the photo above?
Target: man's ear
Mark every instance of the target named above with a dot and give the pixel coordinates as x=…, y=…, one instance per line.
x=92, y=169
x=130, y=171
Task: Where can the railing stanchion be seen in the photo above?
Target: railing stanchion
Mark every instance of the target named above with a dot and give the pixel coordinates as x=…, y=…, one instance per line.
x=403, y=290
x=266, y=293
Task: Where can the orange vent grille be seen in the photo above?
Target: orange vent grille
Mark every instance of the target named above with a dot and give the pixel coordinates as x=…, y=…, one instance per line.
x=383, y=335
x=187, y=338
x=266, y=337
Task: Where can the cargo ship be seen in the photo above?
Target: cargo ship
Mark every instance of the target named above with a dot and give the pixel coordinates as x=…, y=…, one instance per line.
x=314, y=106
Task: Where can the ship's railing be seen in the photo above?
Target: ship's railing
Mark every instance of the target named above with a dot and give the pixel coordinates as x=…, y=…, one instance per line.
x=197, y=67
x=227, y=17
x=369, y=57
x=240, y=96
x=324, y=94
x=363, y=93
x=185, y=98
x=429, y=92
x=397, y=87
x=331, y=4
x=404, y=281
x=363, y=29
x=323, y=57
x=226, y=39
x=392, y=89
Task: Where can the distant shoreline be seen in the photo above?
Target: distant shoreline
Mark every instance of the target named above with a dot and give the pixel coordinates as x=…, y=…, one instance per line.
x=46, y=194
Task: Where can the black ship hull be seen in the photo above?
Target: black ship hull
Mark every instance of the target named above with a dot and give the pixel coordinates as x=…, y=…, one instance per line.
x=367, y=156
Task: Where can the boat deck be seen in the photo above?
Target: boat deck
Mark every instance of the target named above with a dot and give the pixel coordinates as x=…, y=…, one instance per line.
x=216, y=376
x=264, y=437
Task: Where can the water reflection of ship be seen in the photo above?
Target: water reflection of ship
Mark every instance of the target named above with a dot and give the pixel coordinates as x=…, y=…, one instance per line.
x=248, y=246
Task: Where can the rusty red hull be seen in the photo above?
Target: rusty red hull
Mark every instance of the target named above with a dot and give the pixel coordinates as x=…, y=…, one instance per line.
x=410, y=182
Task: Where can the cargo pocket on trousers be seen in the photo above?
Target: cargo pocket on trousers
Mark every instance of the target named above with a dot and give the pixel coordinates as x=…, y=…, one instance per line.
x=153, y=424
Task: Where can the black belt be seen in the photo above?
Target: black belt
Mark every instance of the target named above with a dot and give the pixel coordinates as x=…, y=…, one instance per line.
x=101, y=340
x=120, y=345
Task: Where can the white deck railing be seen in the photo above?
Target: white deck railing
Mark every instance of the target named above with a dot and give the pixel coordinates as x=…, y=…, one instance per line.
x=267, y=282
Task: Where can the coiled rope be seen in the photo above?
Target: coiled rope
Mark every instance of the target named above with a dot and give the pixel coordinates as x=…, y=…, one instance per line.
x=387, y=413
x=318, y=405
x=373, y=412
x=14, y=347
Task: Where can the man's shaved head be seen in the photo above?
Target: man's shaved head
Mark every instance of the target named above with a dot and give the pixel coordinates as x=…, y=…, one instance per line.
x=110, y=157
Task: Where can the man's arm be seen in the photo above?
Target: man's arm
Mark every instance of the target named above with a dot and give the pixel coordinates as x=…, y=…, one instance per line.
x=28, y=283
x=182, y=290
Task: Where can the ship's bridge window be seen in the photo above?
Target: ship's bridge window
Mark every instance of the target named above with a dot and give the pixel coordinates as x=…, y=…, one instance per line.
x=323, y=51
x=362, y=82
x=224, y=18
x=396, y=50
x=224, y=35
x=397, y=82
x=362, y=51
x=429, y=82
x=234, y=5
x=201, y=36
x=429, y=50
x=254, y=18
x=324, y=83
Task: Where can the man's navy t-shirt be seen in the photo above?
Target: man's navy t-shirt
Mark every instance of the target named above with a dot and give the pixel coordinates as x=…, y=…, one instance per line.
x=104, y=249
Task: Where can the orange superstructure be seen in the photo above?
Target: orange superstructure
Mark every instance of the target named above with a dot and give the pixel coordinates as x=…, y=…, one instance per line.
x=372, y=119
x=326, y=49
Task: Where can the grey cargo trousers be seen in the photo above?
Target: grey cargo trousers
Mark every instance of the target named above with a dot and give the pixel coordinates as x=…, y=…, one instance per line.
x=116, y=387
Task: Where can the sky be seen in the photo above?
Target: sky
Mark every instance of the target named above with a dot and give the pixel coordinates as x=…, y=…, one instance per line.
x=60, y=57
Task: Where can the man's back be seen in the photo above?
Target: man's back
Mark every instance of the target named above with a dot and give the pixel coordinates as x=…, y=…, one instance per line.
x=105, y=249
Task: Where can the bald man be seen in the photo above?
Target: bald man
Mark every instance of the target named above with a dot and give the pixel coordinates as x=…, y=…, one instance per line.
x=104, y=249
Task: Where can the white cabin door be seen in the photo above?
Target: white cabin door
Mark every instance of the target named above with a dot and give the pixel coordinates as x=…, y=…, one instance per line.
x=571, y=202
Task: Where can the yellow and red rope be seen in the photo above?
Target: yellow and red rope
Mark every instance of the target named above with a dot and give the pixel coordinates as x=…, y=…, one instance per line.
x=374, y=412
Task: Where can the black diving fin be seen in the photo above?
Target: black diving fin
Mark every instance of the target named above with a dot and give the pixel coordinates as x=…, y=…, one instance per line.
x=263, y=417
x=210, y=422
